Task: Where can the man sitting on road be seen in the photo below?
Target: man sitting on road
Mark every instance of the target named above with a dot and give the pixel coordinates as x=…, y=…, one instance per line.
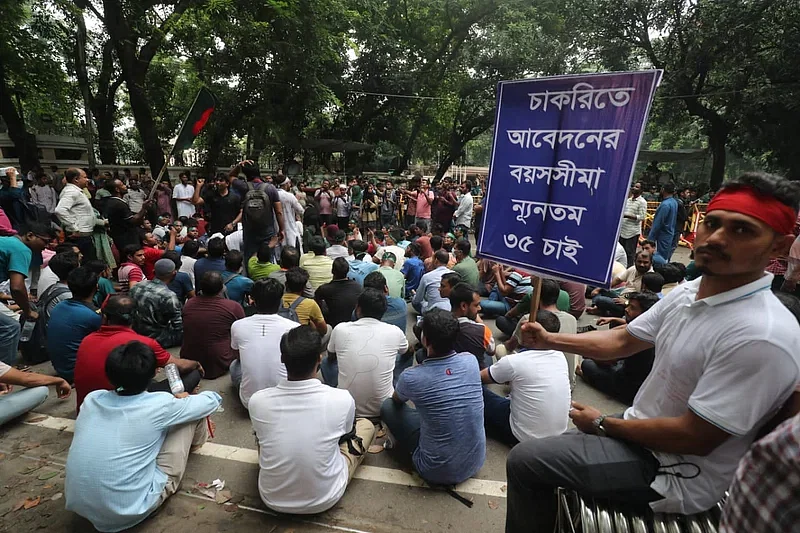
x=428, y=296
x=158, y=310
x=396, y=309
x=361, y=264
x=207, y=321
x=394, y=278
x=316, y=263
x=290, y=258
x=703, y=403
x=307, y=310
x=13, y=403
x=413, y=269
x=465, y=264
x=303, y=468
x=443, y=432
x=237, y=285
x=256, y=341
x=362, y=355
x=622, y=379
x=338, y=298
x=540, y=393
x=473, y=336
x=116, y=330
x=260, y=266
x=611, y=303
x=130, y=447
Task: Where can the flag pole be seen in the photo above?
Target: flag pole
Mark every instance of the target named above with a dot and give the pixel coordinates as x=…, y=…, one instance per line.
x=158, y=179
x=535, y=297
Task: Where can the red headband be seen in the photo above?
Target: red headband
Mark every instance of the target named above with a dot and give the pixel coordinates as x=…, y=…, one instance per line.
x=748, y=201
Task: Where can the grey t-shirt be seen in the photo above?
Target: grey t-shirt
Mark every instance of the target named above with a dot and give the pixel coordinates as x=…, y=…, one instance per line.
x=448, y=395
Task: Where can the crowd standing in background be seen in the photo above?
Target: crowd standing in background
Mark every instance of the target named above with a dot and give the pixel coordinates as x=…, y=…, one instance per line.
x=302, y=294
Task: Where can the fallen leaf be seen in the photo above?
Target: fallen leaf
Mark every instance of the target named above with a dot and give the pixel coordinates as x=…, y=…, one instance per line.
x=504, y=488
x=47, y=475
x=375, y=448
x=57, y=496
x=36, y=419
x=230, y=507
x=223, y=496
x=493, y=504
x=2, y=456
x=31, y=502
x=48, y=486
x=19, y=505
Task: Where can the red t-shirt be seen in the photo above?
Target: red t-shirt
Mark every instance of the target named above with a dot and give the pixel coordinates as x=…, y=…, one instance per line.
x=151, y=255
x=90, y=366
x=425, y=246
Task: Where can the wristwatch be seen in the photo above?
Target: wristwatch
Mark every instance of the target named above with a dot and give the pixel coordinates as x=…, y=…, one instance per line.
x=598, y=425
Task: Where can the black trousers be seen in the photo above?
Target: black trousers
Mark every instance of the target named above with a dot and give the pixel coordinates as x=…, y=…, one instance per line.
x=630, y=248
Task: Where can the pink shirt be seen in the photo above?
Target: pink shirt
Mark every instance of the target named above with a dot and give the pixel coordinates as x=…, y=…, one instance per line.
x=423, y=205
x=325, y=199
x=5, y=225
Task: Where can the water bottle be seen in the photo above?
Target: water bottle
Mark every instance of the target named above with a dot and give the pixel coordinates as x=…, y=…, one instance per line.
x=174, y=378
x=27, y=330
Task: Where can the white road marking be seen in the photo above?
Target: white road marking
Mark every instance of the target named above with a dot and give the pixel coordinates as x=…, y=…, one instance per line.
x=483, y=487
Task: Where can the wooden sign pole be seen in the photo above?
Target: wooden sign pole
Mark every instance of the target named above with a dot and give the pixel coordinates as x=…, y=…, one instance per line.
x=535, y=297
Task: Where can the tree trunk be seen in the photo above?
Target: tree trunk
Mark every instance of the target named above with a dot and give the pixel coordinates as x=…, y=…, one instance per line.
x=717, y=139
x=24, y=142
x=104, y=119
x=145, y=123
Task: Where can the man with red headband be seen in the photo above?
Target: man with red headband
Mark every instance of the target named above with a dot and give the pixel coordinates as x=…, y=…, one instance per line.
x=725, y=361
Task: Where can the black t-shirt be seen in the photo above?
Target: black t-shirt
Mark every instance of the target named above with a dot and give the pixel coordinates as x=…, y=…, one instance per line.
x=339, y=298
x=221, y=210
x=120, y=222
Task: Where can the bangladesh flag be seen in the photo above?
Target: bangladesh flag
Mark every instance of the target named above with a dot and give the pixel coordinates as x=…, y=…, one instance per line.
x=195, y=120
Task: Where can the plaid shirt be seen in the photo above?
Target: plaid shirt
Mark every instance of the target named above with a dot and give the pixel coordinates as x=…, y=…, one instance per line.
x=764, y=495
x=158, y=313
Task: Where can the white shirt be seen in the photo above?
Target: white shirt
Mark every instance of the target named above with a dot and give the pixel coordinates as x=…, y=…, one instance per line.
x=335, y=251
x=235, y=241
x=187, y=265
x=636, y=207
x=181, y=191
x=74, y=210
x=620, y=256
x=45, y=196
x=463, y=213
x=397, y=251
x=292, y=210
x=732, y=359
x=366, y=351
x=540, y=392
x=47, y=278
x=258, y=339
x=298, y=425
x=135, y=199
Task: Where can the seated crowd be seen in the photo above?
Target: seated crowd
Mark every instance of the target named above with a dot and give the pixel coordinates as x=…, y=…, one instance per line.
x=322, y=337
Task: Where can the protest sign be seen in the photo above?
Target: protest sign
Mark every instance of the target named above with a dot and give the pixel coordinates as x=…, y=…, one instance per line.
x=562, y=161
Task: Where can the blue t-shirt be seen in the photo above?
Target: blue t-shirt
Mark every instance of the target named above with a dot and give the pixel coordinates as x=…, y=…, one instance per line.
x=205, y=264
x=413, y=269
x=14, y=257
x=396, y=312
x=448, y=395
x=359, y=270
x=181, y=285
x=237, y=286
x=70, y=321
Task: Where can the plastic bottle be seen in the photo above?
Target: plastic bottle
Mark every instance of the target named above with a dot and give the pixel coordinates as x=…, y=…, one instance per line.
x=27, y=330
x=174, y=378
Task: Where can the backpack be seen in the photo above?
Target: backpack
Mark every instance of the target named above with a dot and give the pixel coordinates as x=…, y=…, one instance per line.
x=257, y=210
x=291, y=311
x=34, y=351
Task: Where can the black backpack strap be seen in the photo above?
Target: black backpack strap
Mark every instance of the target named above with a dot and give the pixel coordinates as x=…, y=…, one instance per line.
x=352, y=440
x=297, y=302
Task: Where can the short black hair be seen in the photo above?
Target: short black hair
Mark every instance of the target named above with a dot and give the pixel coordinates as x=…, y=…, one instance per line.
x=461, y=293
x=65, y=246
x=548, y=320
x=440, y=329
x=791, y=302
x=296, y=279
x=550, y=292
x=671, y=272
x=211, y=283
x=375, y=280
x=372, y=303
x=290, y=257
x=82, y=283
x=437, y=242
x=130, y=250
x=264, y=254
x=190, y=248
x=452, y=279
x=63, y=264
x=300, y=349
x=442, y=256
x=463, y=246
x=39, y=229
x=653, y=282
x=131, y=367
x=216, y=247
x=358, y=247
x=119, y=310
x=338, y=237
x=648, y=242
x=96, y=265
x=340, y=268
x=646, y=299
x=267, y=294
x=416, y=249
x=668, y=187
x=785, y=191
x=234, y=260
x=317, y=245
x=173, y=256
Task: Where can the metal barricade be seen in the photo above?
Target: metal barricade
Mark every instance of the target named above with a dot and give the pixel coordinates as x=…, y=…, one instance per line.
x=577, y=514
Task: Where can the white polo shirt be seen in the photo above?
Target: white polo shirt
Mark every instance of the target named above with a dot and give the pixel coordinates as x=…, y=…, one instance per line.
x=298, y=425
x=258, y=339
x=540, y=392
x=733, y=360
x=366, y=351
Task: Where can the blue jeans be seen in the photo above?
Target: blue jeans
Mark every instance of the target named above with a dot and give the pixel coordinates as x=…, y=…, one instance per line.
x=403, y=423
x=236, y=373
x=497, y=417
x=9, y=339
x=495, y=305
x=608, y=306
x=20, y=401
